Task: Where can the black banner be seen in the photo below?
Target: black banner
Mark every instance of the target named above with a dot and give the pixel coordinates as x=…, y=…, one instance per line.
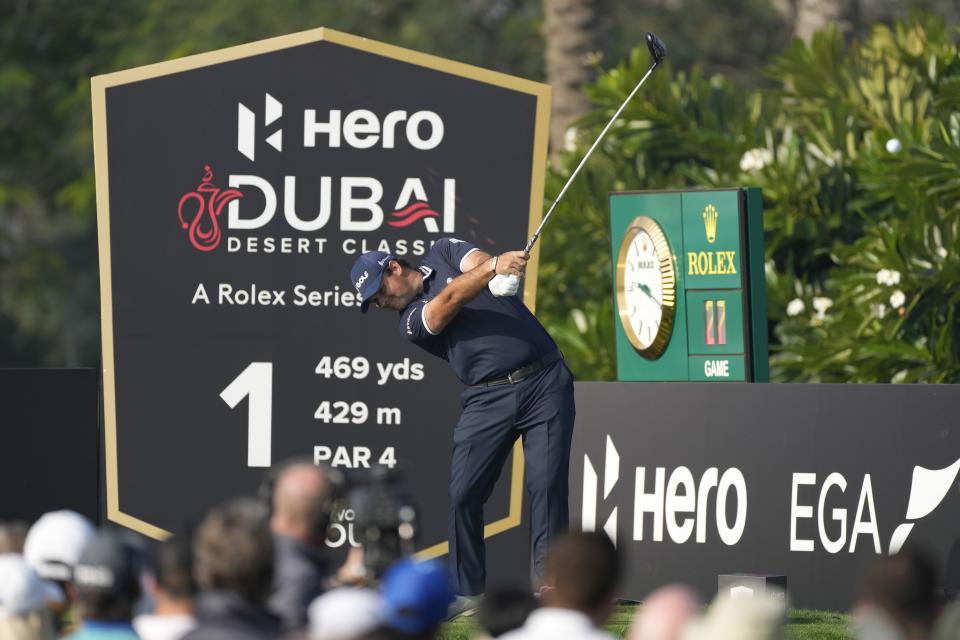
x=810, y=481
x=235, y=190
x=49, y=458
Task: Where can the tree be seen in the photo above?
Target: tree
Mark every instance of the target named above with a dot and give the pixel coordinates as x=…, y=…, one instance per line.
x=573, y=33
x=48, y=273
x=734, y=37
x=811, y=16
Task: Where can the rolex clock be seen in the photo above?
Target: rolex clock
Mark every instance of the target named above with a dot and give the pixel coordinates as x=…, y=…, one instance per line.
x=689, y=292
x=646, y=287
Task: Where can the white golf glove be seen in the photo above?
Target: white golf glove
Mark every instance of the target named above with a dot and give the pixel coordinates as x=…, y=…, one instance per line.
x=501, y=286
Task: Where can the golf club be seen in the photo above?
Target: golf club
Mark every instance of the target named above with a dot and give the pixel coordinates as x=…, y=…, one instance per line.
x=658, y=51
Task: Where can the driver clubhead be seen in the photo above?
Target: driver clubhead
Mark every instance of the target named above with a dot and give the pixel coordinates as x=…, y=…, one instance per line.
x=658, y=50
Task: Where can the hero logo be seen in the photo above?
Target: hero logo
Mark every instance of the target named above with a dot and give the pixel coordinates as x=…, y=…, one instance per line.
x=360, y=129
x=669, y=500
x=247, y=124
x=359, y=197
x=928, y=488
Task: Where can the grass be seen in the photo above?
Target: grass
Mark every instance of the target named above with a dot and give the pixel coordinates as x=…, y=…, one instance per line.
x=804, y=624
x=807, y=624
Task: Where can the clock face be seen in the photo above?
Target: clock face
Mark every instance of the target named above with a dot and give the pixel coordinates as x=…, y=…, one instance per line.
x=646, y=287
x=642, y=289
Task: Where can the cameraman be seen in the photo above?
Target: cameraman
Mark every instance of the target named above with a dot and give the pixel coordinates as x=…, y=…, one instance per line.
x=300, y=513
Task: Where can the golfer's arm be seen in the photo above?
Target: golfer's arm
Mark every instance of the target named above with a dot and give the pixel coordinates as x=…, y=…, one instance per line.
x=478, y=272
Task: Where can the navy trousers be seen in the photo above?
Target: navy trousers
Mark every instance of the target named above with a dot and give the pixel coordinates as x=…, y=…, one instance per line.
x=541, y=410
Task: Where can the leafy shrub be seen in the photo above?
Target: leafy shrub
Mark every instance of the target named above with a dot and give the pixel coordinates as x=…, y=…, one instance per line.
x=857, y=150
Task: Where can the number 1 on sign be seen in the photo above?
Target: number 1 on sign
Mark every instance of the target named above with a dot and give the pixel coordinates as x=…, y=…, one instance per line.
x=256, y=381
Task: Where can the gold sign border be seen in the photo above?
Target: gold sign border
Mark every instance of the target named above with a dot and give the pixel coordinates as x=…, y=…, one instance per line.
x=99, y=86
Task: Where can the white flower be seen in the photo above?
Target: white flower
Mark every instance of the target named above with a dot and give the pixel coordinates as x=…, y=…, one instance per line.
x=889, y=277
x=755, y=159
x=580, y=320
x=897, y=298
x=941, y=252
x=893, y=145
x=822, y=304
x=570, y=139
x=795, y=307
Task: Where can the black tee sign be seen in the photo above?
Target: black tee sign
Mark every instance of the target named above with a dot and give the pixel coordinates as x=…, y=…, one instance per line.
x=235, y=188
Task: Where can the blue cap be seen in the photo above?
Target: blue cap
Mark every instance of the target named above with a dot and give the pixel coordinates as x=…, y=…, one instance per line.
x=367, y=273
x=416, y=595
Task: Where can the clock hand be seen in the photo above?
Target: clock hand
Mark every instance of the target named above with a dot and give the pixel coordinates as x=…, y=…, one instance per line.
x=647, y=291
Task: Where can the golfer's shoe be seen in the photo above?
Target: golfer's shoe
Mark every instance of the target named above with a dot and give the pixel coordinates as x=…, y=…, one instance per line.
x=465, y=606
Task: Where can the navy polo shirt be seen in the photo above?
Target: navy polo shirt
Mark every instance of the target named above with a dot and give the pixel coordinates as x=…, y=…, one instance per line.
x=488, y=338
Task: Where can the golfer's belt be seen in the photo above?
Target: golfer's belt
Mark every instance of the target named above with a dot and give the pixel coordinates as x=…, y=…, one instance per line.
x=523, y=372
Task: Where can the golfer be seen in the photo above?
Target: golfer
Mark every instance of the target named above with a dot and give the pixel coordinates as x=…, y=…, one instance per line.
x=460, y=304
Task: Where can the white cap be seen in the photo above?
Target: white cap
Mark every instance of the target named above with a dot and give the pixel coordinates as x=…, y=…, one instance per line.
x=21, y=589
x=345, y=613
x=54, y=543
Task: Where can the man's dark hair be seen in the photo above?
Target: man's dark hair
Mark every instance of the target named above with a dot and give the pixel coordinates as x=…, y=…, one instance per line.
x=107, y=576
x=171, y=562
x=505, y=609
x=233, y=550
x=584, y=569
x=106, y=606
x=906, y=586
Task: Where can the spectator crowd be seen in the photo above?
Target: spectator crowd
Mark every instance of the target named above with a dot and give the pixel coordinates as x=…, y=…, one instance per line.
x=259, y=568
